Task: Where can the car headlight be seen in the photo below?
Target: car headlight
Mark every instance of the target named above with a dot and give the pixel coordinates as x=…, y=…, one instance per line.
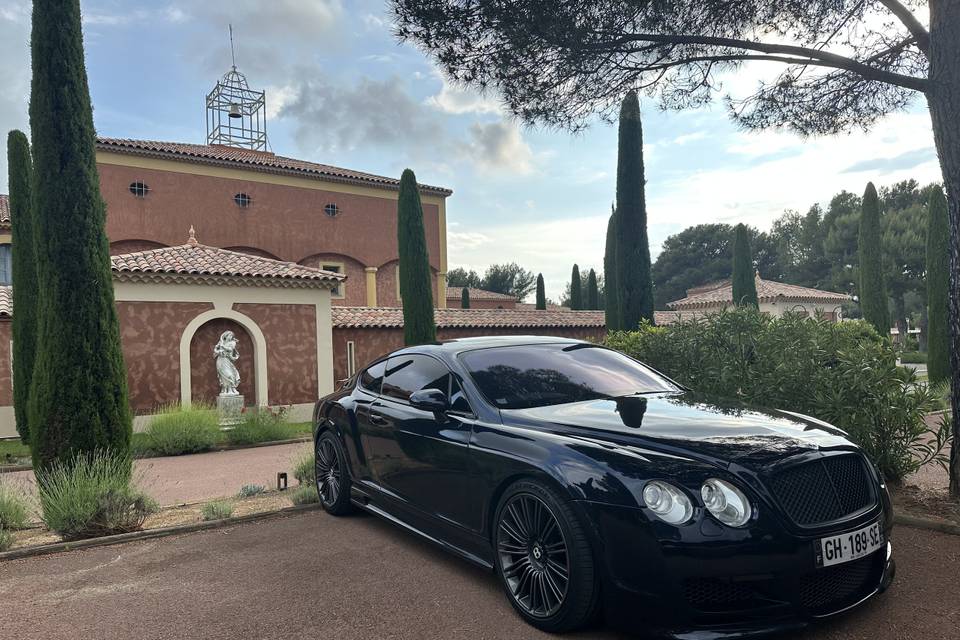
x=726, y=502
x=669, y=503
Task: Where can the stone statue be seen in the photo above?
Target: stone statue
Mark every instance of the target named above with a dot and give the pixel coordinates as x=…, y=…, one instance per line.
x=226, y=354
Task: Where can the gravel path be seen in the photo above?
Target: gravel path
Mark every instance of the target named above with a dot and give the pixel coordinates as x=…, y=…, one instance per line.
x=314, y=576
x=203, y=476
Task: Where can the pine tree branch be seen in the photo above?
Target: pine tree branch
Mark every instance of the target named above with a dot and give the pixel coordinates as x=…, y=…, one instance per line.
x=910, y=22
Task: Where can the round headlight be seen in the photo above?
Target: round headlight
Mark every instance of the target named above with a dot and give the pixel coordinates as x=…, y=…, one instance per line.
x=726, y=502
x=669, y=503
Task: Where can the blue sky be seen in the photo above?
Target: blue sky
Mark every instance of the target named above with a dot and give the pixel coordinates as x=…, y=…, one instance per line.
x=341, y=90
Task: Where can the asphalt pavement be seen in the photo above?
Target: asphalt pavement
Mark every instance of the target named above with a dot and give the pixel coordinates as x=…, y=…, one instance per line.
x=315, y=576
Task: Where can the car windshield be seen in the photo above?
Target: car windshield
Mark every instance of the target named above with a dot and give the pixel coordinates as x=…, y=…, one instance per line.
x=524, y=376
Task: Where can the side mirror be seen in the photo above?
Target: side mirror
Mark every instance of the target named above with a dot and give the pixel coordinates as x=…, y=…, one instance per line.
x=429, y=400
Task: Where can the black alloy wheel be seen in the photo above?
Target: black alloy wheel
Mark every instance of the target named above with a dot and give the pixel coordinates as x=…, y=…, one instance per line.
x=333, y=480
x=544, y=559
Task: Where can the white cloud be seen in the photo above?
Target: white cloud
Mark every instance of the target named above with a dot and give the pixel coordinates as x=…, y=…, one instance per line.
x=458, y=100
x=689, y=137
x=499, y=147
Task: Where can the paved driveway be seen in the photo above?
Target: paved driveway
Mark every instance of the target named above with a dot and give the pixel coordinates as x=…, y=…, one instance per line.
x=314, y=576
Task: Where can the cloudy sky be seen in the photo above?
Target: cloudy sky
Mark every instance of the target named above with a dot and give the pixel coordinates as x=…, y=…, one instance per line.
x=341, y=90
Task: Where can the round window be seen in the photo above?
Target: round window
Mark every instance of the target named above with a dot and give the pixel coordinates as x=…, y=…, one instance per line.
x=332, y=210
x=139, y=189
x=243, y=200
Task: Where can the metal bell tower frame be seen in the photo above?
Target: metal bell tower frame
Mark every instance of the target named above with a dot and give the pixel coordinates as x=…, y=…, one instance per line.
x=236, y=114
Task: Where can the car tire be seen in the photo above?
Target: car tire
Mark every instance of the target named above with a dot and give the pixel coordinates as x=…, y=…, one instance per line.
x=332, y=475
x=535, y=559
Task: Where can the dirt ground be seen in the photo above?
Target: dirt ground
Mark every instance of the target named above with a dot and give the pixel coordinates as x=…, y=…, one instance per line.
x=315, y=576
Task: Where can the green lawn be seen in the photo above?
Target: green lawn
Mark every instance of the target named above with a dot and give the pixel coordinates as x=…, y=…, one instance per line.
x=15, y=452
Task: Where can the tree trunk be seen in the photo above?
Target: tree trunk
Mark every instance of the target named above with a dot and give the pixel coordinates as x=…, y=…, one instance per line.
x=943, y=98
x=900, y=317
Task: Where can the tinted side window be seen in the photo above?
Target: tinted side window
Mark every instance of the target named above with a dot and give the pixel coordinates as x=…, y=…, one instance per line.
x=458, y=399
x=406, y=374
x=372, y=377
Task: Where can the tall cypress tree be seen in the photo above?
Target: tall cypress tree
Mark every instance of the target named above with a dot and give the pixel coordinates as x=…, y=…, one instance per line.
x=634, y=279
x=938, y=282
x=415, y=288
x=612, y=297
x=873, y=292
x=465, y=298
x=593, y=294
x=78, y=396
x=576, y=290
x=743, y=278
x=25, y=293
x=541, y=293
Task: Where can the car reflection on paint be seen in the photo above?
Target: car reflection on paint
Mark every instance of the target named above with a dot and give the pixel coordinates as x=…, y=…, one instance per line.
x=589, y=482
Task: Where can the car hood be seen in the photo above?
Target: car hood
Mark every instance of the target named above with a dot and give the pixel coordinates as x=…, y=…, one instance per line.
x=704, y=427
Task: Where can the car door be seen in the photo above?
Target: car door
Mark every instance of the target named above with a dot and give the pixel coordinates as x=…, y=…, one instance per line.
x=418, y=457
x=364, y=396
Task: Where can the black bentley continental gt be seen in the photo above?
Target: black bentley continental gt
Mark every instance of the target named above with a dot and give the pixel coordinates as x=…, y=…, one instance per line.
x=589, y=482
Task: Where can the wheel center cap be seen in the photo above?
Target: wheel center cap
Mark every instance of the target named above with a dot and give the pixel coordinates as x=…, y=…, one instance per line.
x=537, y=552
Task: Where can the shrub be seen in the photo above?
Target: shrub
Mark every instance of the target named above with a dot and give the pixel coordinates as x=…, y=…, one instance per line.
x=913, y=357
x=14, y=509
x=304, y=467
x=843, y=373
x=305, y=494
x=6, y=539
x=250, y=490
x=259, y=425
x=177, y=430
x=92, y=495
x=217, y=510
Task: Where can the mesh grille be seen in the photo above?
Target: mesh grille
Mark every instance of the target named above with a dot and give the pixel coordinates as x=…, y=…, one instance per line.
x=834, y=586
x=823, y=490
x=712, y=593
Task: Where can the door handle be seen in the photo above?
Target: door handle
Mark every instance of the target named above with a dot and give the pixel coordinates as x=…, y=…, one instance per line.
x=377, y=419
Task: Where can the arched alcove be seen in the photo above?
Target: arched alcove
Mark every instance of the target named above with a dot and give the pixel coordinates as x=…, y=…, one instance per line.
x=204, y=384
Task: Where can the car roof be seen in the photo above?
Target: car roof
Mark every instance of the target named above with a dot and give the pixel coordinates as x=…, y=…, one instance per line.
x=461, y=345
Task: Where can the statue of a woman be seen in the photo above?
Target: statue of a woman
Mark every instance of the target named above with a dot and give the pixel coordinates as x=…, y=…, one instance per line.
x=226, y=354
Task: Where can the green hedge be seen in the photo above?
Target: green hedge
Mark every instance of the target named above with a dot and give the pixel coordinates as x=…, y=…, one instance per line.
x=913, y=357
x=844, y=373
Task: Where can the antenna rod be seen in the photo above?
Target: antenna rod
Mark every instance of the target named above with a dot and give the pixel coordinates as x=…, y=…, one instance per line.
x=233, y=56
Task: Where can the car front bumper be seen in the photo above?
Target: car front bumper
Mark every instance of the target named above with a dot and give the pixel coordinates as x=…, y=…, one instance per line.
x=664, y=582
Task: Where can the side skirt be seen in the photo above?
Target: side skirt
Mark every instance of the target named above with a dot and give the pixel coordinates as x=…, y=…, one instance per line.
x=364, y=503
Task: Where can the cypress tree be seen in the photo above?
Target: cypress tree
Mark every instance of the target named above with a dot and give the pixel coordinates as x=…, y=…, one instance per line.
x=415, y=288
x=612, y=298
x=576, y=291
x=78, y=395
x=593, y=294
x=25, y=293
x=743, y=279
x=541, y=293
x=938, y=276
x=634, y=279
x=873, y=293
x=465, y=298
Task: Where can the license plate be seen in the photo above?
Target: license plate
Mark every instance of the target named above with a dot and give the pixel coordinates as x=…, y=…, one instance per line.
x=849, y=546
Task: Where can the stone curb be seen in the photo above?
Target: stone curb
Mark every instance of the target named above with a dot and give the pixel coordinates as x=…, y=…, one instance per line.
x=927, y=523
x=11, y=468
x=147, y=534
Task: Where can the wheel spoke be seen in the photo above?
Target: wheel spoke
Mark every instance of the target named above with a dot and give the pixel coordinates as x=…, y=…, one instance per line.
x=513, y=533
x=518, y=522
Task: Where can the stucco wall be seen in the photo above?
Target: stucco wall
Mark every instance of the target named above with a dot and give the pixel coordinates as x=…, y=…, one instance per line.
x=369, y=344
x=291, y=335
x=6, y=363
x=150, y=334
x=284, y=221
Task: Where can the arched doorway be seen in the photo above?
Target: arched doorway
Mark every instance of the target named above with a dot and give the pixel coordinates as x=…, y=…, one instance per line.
x=204, y=384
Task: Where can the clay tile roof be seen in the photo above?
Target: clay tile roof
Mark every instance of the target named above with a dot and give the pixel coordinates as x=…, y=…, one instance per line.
x=4, y=210
x=6, y=301
x=256, y=160
x=767, y=291
x=392, y=317
x=477, y=294
x=194, y=261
